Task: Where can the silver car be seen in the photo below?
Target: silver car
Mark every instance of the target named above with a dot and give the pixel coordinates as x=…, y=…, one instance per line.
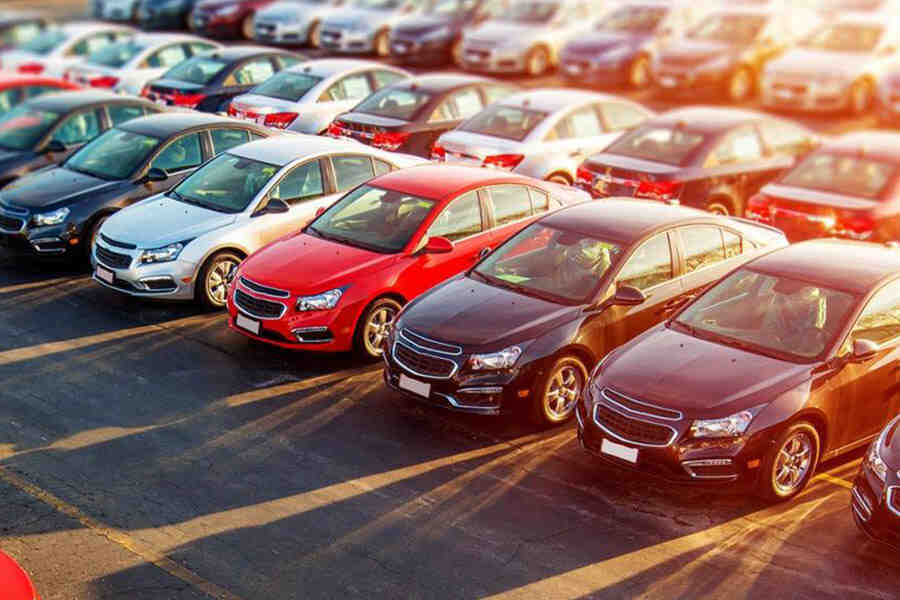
x=528, y=36
x=545, y=134
x=298, y=22
x=307, y=97
x=364, y=26
x=185, y=243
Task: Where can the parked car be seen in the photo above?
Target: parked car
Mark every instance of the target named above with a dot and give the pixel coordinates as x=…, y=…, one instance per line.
x=57, y=212
x=875, y=497
x=527, y=36
x=786, y=362
x=16, y=88
x=839, y=66
x=58, y=47
x=725, y=53
x=18, y=28
x=705, y=157
x=410, y=115
x=364, y=26
x=124, y=11
x=338, y=284
x=848, y=188
x=226, y=18
x=434, y=36
x=185, y=243
x=127, y=66
x=306, y=98
x=523, y=328
x=165, y=14
x=294, y=21
x=887, y=99
x=831, y=9
x=208, y=82
x=15, y=581
x=45, y=130
x=544, y=133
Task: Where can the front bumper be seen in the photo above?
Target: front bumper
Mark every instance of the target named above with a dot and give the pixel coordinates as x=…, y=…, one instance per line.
x=347, y=41
x=493, y=60
x=411, y=50
x=274, y=32
x=210, y=23
x=169, y=280
x=689, y=81
x=48, y=242
x=583, y=70
x=802, y=95
x=876, y=506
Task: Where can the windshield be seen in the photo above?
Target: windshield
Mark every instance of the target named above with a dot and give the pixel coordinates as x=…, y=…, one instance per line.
x=769, y=314
x=44, y=42
x=199, y=70
x=448, y=7
x=115, y=154
x=227, y=183
x=508, y=122
x=287, y=85
x=731, y=29
x=843, y=174
x=378, y=4
x=554, y=264
x=22, y=127
x=633, y=19
x=673, y=146
x=394, y=103
x=373, y=218
x=845, y=37
x=115, y=55
x=530, y=12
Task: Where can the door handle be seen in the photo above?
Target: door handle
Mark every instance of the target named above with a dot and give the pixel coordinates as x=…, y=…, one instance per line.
x=484, y=252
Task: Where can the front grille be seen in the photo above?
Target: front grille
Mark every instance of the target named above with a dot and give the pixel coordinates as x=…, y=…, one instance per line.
x=264, y=289
x=117, y=243
x=112, y=259
x=427, y=343
x=423, y=364
x=641, y=407
x=10, y=224
x=257, y=307
x=632, y=430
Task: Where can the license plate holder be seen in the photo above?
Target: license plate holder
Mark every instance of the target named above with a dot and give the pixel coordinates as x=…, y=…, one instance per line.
x=247, y=323
x=418, y=388
x=619, y=451
x=105, y=275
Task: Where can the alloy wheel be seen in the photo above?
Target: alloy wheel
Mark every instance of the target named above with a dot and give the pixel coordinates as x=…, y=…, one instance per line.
x=639, y=75
x=739, y=86
x=314, y=35
x=217, y=279
x=563, y=391
x=792, y=464
x=537, y=61
x=247, y=27
x=377, y=328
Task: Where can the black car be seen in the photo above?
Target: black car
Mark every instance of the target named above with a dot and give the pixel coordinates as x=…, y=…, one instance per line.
x=875, y=499
x=434, y=36
x=164, y=14
x=58, y=211
x=46, y=129
x=525, y=327
x=409, y=116
x=18, y=29
x=209, y=82
x=705, y=157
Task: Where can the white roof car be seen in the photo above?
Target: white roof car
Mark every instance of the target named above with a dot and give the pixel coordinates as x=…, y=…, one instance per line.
x=544, y=133
x=308, y=96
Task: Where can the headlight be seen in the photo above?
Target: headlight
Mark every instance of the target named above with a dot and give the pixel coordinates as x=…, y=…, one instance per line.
x=164, y=254
x=324, y=301
x=874, y=462
x=504, y=359
x=51, y=218
x=440, y=32
x=730, y=426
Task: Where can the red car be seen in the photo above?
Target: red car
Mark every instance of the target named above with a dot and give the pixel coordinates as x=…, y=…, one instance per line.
x=225, y=18
x=16, y=88
x=14, y=581
x=339, y=283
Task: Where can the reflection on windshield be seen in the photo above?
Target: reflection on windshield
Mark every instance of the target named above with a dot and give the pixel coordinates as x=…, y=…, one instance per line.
x=634, y=19
x=373, y=218
x=554, y=264
x=770, y=315
x=731, y=29
x=507, y=122
x=673, y=146
x=199, y=70
x=22, y=128
x=227, y=183
x=394, y=103
x=842, y=174
x=44, y=43
x=115, y=55
x=287, y=85
x=531, y=12
x=115, y=154
x=846, y=37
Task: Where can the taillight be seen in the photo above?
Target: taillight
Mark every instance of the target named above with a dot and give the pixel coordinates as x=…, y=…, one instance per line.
x=438, y=152
x=390, y=140
x=335, y=129
x=664, y=191
x=504, y=161
x=279, y=120
x=758, y=208
x=31, y=68
x=854, y=225
x=232, y=112
x=145, y=91
x=103, y=82
x=584, y=176
x=187, y=100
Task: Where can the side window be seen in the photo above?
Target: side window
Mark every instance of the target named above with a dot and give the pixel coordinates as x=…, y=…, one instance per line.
x=91, y=44
x=622, y=116
x=199, y=48
x=350, y=171
x=540, y=202
x=880, y=320
x=9, y=98
x=460, y=219
x=741, y=146
x=36, y=90
x=650, y=265
x=167, y=57
x=733, y=244
x=584, y=122
x=123, y=112
x=381, y=167
x=702, y=246
x=255, y=136
x=493, y=93
x=383, y=78
x=561, y=131
x=302, y=183
x=225, y=139
x=785, y=138
x=180, y=154
x=509, y=202
x=460, y=105
x=286, y=62
x=78, y=128
x=352, y=87
x=251, y=72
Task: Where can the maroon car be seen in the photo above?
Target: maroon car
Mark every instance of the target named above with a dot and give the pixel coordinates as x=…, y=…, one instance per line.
x=789, y=360
x=875, y=499
x=225, y=18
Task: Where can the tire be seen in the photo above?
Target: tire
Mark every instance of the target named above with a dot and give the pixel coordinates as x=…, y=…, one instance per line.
x=382, y=46
x=560, y=178
x=549, y=407
x=212, y=284
x=313, y=37
x=722, y=205
x=372, y=328
x=537, y=61
x=639, y=72
x=247, y=29
x=740, y=85
x=790, y=463
x=860, y=97
x=88, y=244
x=456, y=56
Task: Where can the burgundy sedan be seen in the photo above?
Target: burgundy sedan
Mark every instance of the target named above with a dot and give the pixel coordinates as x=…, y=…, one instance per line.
x=225, y=18
x=875, y=499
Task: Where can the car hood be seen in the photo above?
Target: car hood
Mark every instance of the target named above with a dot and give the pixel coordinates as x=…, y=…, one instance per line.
x=9, y=157
x=597, y=42
x=161, y=220
x=422, y=24
x=469, y=312
x=695, y=51
x=54, y=186
x=358, y=18
x=699, y=377
x=805, y=63
x=305, y=264
x=501, y=32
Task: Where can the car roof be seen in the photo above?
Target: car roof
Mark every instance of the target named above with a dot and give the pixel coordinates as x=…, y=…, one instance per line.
x=241, y=52
x=154, y=39
x=852, y=266
x=554, y=99
x=165, y=124
x=64, y=101
x=708, y=118
x=884, y=145
x=284, y=149
x=440, y=82
x=329, y=66
x=439, y=181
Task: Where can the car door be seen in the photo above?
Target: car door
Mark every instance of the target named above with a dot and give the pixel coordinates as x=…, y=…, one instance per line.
x=450, y=112
x=738, y=166
x=705, y=259
x=300, y=188
x=178, y=158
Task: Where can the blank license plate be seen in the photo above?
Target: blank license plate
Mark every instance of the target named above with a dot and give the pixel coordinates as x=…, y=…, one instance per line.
x=416, y=387
x=248, y=324
x=619, y=451
x=107, y=276
x=668, y=81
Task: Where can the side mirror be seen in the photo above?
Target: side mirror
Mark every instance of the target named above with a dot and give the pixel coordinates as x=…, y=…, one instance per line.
x=55, y=147
x=275, y=206
x=627, y=295
x=863, y=350
x=156, y=174
x=438, y=245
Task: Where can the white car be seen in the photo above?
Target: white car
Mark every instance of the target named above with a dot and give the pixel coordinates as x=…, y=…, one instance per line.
x=57, y=48
x=127, y=66
x=543, y=133
x=307, y=97
x=293, y=22
x=364, y=26
x=189, y=240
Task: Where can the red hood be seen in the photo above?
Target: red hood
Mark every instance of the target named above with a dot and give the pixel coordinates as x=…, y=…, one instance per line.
x=305, y=264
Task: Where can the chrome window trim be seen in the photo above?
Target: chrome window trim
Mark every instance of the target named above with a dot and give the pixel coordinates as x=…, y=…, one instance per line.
x=410, y=342
x=633, y=442
x=255, y=316
x=892, y=491
x=453, y=371
x=603, y=393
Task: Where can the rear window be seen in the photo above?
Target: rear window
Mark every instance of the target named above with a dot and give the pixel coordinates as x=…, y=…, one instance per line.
x=115, y=55
x=44, y=43
x=22, y=128
x=508, y=122
x=394, y=103
x=199, y=70
x=287, y=86
x=667, y=145
x=842, y=174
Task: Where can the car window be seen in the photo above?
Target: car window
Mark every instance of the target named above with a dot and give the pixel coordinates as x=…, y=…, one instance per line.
x=381, y=167
x=302, y=183
x=78, y=128
x=784, y=138
x=509, y=122
x=459, y=105
x=352, y=87
x=32, y=91
x=733, y=244
x=199, y=47
x=847, y=173
x=583, y=123
x=251, y=72
x=509, y=202
x=493, y=93
x=124, y=112
x=702, y=246
x=180, y=154
x=619, y=115
x=383, y=78
x=460, y=219
x=91, y=44
x=394, y=102
x=540, y=201
x=650, y=265
x=9, y=98
x=350, y=171
x=880, y=320
x=167, y=57
x=226, y=139
x=741, y=146
x=286, y=62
